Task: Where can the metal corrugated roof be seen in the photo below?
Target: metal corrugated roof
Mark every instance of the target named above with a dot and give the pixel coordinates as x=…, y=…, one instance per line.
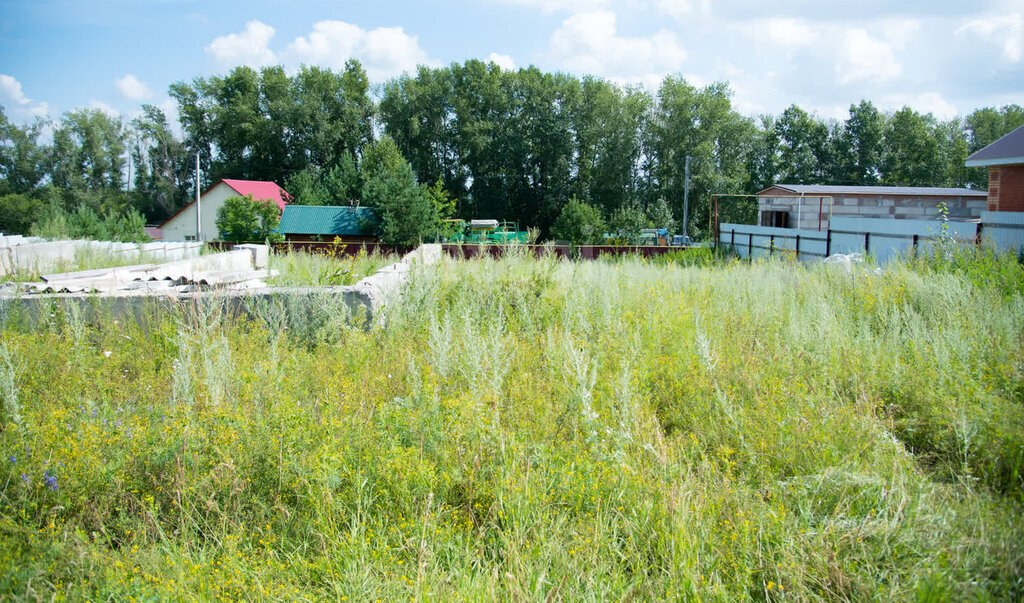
x=260, y=190
x=838, y=189
x=332, y=220
x=1008, y=150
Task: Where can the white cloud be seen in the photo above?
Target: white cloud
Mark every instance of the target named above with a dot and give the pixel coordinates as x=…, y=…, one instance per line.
x=551, y=6
x=384, y=52
x=926, y=102
x=248, y=47
x=12, y=90
x=681, y=9
x=898, y=32
x=865, y=58
x=22, y=109
x=587, y=43
x=502, y=60
x=104, y=107
x=131, y=88
x=1006, y=31
x=788, y=33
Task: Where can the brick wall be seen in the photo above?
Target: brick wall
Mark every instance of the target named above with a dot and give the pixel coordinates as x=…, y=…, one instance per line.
x=1006, y=188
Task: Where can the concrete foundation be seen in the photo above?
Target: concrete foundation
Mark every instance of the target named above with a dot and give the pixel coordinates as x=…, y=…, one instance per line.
x=307, y=307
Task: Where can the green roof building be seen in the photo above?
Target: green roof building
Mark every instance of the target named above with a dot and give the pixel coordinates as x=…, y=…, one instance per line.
x=327, y=222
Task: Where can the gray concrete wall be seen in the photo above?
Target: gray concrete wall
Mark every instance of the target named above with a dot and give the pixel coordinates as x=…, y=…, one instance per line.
x=34, y=254
x=308, y=308
x=803, y=213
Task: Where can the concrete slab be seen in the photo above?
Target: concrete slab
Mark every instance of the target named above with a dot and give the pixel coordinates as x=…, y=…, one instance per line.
x=363, y=303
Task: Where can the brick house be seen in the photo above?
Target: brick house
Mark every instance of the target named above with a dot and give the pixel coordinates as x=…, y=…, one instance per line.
x=811, y=205
x=1004, y=159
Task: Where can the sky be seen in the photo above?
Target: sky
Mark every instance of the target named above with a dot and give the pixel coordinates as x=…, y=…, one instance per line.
x=945, y=57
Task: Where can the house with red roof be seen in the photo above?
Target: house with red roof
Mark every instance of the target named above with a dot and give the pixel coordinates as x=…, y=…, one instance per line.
x=189, y=225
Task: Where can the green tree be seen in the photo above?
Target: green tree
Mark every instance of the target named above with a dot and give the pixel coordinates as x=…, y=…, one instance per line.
x=579, y=223
x=659, y=215
x=626, y=222
x=419, y=114
x=340, y=185
x=953, y=150
x=865, y=135
x=89, y=152
x=17, y=212
x=763, y=162
x=985, y=126
x=911, y=150
x=389, y=185
x=702, y=124
x=443, y=205
x=267, y=125
x=163, y=170
x=802, y=141
x=608, y=121
x=23, y=158
x=244, y=219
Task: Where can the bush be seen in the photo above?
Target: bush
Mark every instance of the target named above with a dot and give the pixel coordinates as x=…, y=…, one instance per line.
x=691, y=256
x=242, y=219
x=579, y=223
x=86, y=223
x=17, y=213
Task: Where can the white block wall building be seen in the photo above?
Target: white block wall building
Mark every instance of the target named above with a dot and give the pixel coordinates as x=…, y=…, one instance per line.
x=182, y=225
x=811, y=205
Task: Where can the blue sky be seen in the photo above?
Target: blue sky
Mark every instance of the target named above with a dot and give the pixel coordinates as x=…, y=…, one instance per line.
x=940, y=56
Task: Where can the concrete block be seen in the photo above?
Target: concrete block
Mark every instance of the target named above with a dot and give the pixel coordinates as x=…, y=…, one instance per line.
x=260, y=254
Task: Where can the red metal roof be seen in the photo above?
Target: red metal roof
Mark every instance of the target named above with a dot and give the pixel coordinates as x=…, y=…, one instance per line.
x=259, y=190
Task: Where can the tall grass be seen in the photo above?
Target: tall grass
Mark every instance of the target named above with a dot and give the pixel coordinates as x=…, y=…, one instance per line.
x=317, y=269
x=526, y=428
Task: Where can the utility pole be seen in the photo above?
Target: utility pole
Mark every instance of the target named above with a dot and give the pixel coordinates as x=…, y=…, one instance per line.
x=199, y=213
x=686, y=202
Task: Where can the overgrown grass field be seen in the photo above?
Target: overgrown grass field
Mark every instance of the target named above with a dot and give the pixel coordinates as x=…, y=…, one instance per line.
x=302, y=269
x=533, y=429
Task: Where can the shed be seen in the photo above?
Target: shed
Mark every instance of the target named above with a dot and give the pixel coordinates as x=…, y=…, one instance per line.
x=1004, y=159
x=300, y=223
x=811, y=205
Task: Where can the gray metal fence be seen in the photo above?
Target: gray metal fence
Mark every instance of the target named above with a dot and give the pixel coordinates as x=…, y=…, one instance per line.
x=882, y=238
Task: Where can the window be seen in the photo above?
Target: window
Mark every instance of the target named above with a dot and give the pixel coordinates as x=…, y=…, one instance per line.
x=190, y=237
x=778, y=219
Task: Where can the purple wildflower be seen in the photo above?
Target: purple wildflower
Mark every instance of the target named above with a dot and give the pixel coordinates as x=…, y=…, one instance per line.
x=25, y=478
x=13, y=458
x=51, y=480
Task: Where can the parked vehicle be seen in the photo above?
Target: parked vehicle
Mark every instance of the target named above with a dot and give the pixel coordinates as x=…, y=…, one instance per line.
x=490, y=232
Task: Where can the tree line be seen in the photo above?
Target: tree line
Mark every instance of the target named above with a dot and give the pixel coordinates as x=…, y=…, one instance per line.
x=470, y=140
